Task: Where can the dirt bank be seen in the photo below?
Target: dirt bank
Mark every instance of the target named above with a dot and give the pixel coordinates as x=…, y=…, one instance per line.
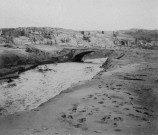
x=15, y=61
x=123, y=100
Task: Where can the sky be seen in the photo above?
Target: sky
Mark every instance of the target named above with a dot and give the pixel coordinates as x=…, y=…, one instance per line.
x=80, y=14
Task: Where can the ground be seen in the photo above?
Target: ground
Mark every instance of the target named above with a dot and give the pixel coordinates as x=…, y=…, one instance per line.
x=121, y=100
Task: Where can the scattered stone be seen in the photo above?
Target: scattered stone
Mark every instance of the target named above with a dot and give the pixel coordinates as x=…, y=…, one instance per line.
x=82, y=120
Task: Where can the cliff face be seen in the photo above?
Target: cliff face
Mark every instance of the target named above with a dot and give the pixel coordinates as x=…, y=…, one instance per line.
x=64, y=37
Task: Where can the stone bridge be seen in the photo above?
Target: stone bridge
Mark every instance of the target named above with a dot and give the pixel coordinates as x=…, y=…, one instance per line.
x=74, y=55
x=65, y=55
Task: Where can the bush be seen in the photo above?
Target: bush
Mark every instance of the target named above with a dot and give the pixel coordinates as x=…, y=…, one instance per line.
x=82, y=32
x=86, y=38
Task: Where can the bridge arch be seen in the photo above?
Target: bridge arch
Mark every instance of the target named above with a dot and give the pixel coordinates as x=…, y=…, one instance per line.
x=78, y=57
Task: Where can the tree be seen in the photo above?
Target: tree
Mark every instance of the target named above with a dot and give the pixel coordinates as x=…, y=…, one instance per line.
x=82, y=32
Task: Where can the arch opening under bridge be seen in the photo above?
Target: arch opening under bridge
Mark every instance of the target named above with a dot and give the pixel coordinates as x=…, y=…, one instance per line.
x=78, y=57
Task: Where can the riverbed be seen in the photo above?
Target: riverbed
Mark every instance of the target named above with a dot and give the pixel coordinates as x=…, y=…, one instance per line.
x=38, y=85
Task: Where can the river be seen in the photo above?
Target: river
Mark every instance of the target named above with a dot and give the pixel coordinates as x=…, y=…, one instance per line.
x=38, y=85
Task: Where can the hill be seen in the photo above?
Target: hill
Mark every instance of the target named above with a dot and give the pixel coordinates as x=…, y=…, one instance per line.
x=66, y=37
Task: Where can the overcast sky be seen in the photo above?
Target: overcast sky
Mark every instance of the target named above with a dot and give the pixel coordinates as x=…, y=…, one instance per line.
x=80, y=14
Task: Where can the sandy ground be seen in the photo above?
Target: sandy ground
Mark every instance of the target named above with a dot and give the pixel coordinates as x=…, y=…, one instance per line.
x=38, y=85
x=121, y=101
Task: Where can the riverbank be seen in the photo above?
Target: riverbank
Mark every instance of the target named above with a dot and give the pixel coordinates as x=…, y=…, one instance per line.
x=14, y=61
x=36, y=86
x=123, y=100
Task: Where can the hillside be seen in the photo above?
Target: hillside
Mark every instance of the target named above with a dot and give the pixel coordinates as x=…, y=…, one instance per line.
x=87, y=39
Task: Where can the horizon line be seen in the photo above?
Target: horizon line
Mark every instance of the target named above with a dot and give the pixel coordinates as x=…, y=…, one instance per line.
x=74, y=29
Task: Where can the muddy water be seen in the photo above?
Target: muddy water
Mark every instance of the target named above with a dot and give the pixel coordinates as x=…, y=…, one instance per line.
x=38, y=85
